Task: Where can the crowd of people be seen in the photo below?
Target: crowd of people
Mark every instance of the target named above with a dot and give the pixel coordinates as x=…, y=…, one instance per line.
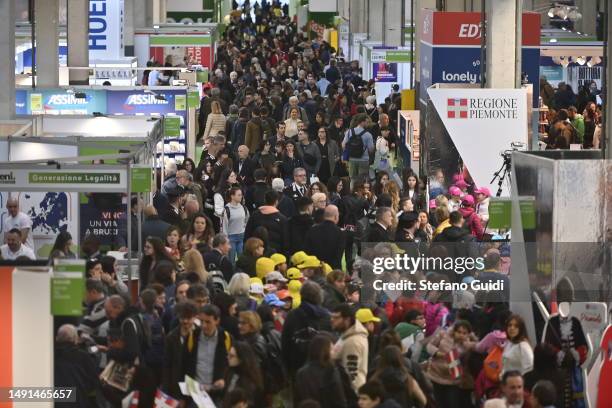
x=256, y=258
x=572, y=119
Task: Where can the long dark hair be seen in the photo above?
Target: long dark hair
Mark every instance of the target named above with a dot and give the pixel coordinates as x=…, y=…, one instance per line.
x=522, y=334
x=319, y=350
x=248, y=367
x=208, y=232
x=60, y=242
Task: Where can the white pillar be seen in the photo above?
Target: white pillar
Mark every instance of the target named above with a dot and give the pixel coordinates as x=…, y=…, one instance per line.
x=358, y=16
x=375, y=20
x=502, y=45
x=392, y=34
x=47, y=55
x=78, y=40
x=7, y=59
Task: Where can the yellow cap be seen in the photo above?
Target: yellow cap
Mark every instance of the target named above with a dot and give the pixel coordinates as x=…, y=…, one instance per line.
x=365, y=315
x=327, y=268
x=294, y=273
x=263, y=266
x=256, y=280
x=310, y=262
x=298, y=257
x=278, y=259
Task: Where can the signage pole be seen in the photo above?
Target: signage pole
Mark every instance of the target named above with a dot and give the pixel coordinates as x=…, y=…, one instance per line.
x=129, y=226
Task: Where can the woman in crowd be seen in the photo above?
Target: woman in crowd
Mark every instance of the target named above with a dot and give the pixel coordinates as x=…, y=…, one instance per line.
x=173, y=243
x=61, y=247
x=291, y=123
x=291, y=161
x=319, y=379
x=249, y=325
x=234, y=221
x=244, y=374
x=189, y=165
x=215, y=122
x=193, y=264
x=200, y=233
x=518, y=354
x=253, y=250
x=335, y=187
x=425, y=226
x=114, y=285
x=412, y=190
x=239, y=287
x=154, y=254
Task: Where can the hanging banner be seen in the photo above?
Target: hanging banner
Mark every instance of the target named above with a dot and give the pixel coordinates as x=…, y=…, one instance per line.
x=106, y=29
x=68, y=287
x=451, y=49
x=141, y=178
x=385, y=72
x=172, y=126
x=61, y=102
x=140, y=102
x=482, y=123
x=103, y=216
x=79, y=179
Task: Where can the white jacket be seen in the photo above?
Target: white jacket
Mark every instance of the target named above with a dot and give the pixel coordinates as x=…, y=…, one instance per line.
x=517, y=357
x=482, y=209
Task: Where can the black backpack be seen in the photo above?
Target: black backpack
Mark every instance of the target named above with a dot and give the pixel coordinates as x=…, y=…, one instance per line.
x=302, y=338
x=276, y=373
x=355, y=145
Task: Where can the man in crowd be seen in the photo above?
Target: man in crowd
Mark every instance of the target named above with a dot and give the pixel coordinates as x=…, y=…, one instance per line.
x=17, y=219
x=275, y=223
x=244, y=166
x=352, y=347
x=95, y=315
x=360, y=146
x=513, y=391
x=14, y=248
x=153, y=226
x=217, y=259
x=298, y=188
x=379, y=231
x=326, y=240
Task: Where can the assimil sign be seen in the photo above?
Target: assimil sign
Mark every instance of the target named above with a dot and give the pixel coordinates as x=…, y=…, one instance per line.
x=482, y=123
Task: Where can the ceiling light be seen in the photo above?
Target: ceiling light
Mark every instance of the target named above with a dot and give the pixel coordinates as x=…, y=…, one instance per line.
x=580, y=60
x=551, y=12
x=552, y=40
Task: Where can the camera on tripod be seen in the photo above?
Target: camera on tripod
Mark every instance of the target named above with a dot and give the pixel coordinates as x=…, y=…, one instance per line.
x=506, y=167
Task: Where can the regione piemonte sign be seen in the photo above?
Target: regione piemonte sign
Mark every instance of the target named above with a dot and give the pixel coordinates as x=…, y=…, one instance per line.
x=482, y=123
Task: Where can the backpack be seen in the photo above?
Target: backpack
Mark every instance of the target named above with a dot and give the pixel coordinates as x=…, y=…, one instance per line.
x=493, y=364
x=228, y=213
x=143, y=331
x=154, y=355
x=355, y=145
x=302, y=338
x=218, y=282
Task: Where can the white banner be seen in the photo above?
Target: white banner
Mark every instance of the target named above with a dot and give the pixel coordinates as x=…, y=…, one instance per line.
x=106, y=29
x=113, y=180
x=482, y=123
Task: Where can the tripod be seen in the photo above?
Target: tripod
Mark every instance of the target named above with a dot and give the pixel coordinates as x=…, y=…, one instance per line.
x=504, y=171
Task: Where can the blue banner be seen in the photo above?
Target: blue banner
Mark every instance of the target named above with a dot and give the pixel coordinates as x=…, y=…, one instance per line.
x=21, y=102
x=385, y=71
x=137, y=101
x=59, y=101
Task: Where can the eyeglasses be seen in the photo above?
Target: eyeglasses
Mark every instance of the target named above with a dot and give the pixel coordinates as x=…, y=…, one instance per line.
x=301, y=175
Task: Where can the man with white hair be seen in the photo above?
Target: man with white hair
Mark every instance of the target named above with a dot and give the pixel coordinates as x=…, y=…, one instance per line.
x=73, y=367
x=17, y=219
x=170, y=181
x=185, y=179
x=285, y=204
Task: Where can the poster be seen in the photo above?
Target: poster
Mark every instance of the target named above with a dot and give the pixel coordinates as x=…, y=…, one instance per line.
x=385, y=72
x=103, y=216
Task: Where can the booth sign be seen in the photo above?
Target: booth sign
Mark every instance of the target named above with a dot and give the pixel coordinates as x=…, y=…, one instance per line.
x=85, y=180
x=68, y=287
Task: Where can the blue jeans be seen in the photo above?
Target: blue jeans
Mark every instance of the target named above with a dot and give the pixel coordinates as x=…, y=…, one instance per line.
x=237, y=241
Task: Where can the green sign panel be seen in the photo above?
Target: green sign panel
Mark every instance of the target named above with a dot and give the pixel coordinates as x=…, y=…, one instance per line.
x=59, y=177
x=500, y=214
x=202, y=76
x=180, y=102
x=399, y=56
x=141, y=179
x=172, y=126
x=68, y=288
x=179, y=40
x=193, y=99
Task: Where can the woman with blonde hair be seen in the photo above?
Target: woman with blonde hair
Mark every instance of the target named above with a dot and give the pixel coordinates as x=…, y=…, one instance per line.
x=393, y=190
x=194, y=263
x=249, y=324
x=215, y=122
x=239, y=287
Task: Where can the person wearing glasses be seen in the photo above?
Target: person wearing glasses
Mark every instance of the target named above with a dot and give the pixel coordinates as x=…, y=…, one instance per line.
x=299, y=187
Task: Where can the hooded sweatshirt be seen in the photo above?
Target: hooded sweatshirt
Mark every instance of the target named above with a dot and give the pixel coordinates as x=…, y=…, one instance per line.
x=351, y=350
x=274, y=222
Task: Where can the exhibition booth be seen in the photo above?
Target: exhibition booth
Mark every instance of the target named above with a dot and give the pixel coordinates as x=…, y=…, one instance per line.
x=83, y=145
x=177, y=105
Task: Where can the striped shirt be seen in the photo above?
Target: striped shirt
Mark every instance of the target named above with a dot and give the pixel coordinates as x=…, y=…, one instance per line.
x=95, y=317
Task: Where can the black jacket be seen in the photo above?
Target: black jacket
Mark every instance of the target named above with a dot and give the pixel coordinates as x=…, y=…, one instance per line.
x=298, y=227
x=286, y=206
x=153, y=226
x=73, y=367
x=172, y=217
x=246, y=263
x=306, y=315
x=255, y=195
x=333, y=297
x=322, y=384
x=326, y=242
x=216, y=261
x=275, y=223
x=376, y=233
x=130, y=324
x=245, y=175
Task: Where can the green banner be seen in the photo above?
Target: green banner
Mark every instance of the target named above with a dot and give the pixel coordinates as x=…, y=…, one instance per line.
x=202, y=76
x=57, y=177
x=500, y=214
x=68, y=287
x=172, y=126
x=179, y=40
x=193, y=99
x=141, y=179
x=399, y=56
x=180, y=102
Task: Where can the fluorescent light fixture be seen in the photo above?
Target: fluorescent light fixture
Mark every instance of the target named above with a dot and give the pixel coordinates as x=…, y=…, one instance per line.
x=552, y=40
x=580, y=60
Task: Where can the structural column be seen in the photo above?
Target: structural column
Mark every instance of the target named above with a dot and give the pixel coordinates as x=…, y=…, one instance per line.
x=608, y=105
x=393, y=22
x=47, y=52
x=503, y=43
x=156, y=11
x=375, y=19
x=588, y=9
x=358, y=16
x=7, y=59
x=78, y=41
